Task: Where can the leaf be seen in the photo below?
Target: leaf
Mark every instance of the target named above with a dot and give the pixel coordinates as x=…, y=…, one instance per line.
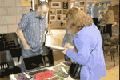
x=16, y=76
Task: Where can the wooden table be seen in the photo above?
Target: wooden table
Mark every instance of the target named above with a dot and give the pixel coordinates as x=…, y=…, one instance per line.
x=4, y=78
x=52, y=78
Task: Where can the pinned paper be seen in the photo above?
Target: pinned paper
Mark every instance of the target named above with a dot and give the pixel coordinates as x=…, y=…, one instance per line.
x=72, y=0
x=25, y=2
x=71, y=5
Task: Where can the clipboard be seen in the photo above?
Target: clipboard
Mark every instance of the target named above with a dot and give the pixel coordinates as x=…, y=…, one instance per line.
x=56, y=47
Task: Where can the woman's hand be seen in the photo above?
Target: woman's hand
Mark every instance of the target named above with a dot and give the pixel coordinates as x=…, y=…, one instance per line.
x=26, y=46
x=69, y=46
x=64, y=52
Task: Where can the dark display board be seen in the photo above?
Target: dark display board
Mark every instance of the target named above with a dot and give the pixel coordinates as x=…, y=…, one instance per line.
x=65, y=5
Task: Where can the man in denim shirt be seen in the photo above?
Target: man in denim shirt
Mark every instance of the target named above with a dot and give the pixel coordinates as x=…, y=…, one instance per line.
x=31, y=29
x=68, y=38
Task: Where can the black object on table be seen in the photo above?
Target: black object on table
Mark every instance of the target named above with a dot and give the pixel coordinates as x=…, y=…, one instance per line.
x=33, y=62
x=48, y=53
x=39, y=60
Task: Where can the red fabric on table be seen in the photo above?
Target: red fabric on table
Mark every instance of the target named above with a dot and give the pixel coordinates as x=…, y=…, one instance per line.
x=68, y=0
x=44, y=75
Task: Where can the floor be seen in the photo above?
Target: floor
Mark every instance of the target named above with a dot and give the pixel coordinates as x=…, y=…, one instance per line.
x=112, y=72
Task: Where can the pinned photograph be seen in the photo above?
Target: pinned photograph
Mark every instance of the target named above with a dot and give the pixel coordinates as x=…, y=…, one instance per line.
x=65, y=5
x=52, y=11
x=59, y=11
x=55, y=4
x=82, y=3
x=64, y=11
x=52, y=17
x=58, y=17
x=71, y=5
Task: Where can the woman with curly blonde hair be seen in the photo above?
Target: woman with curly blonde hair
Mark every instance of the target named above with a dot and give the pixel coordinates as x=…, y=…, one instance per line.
x=88, y=42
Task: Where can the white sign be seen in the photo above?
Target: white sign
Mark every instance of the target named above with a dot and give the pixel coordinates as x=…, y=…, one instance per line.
x=71, y=5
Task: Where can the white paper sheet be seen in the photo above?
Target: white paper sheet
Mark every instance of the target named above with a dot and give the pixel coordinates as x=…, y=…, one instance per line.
x=71, y=5
x=57, y=47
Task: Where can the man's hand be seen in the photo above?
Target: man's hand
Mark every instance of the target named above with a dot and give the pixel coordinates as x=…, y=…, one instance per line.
x=21, y=37
x=43, y=37
x=26, y=46
x=69, y=46
x=47, y=26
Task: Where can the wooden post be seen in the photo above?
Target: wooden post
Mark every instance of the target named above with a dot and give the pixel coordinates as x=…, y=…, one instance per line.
x=118, y=49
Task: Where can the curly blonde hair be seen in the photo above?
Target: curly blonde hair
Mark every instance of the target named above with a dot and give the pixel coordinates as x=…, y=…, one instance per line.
x=76, y=19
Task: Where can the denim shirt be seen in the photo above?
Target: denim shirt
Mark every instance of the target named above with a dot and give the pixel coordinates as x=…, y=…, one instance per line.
x=33, y=29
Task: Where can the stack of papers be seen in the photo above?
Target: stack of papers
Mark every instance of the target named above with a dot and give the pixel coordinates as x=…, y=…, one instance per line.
x=57, y=47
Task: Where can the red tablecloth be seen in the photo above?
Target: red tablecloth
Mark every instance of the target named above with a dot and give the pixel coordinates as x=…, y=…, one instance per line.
x=44, y=75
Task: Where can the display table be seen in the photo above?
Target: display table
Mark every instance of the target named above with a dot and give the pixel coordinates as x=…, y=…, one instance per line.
x=58, y=72
x=4, y=78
